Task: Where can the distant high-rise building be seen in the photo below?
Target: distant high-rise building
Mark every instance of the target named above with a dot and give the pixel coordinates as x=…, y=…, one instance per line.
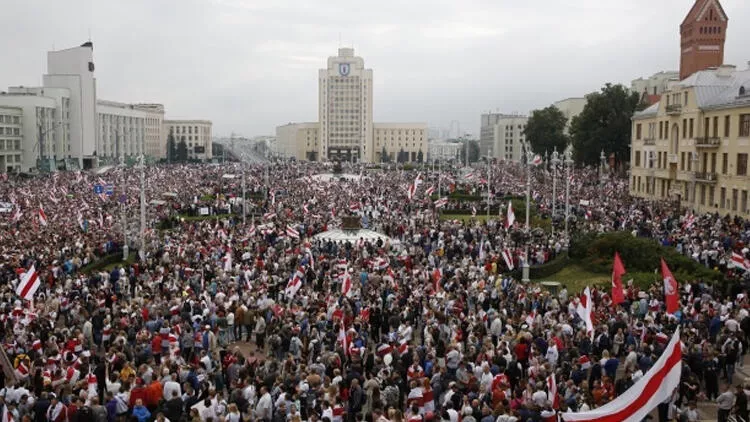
x=73, y=69
x=345, y=130
x=487, y=133
x=702, y=36
x=345, y=107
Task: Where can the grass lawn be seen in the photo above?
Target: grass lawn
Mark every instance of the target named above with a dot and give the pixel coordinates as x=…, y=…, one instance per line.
x=205, y=217
x=576, y=278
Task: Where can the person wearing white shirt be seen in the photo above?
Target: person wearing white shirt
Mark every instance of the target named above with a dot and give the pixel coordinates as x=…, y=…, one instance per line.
x=170, y=386
x=264, y=408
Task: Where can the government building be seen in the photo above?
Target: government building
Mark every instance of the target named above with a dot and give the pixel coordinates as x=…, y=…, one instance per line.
x=691, y=147
x=63, y=125
x=345, y=130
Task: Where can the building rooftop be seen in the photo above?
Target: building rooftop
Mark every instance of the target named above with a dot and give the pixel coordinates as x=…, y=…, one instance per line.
x=723, y=87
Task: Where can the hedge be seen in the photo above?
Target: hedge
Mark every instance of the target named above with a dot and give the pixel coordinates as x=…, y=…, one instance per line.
x=639, y=255
x=107, y=260
x=545, y=270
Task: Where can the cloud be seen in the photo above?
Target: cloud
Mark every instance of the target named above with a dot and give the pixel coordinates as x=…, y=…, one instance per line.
x=250, y=65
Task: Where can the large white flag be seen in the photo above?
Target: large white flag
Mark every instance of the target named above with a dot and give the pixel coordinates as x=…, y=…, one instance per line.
x=639, y=400
x=584, y=311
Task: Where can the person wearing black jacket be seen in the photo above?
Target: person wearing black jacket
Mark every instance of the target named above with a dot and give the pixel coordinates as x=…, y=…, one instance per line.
x=40, y=408
x=173, y=407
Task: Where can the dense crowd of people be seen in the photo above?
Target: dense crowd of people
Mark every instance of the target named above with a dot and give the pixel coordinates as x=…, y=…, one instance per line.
x=264, y=321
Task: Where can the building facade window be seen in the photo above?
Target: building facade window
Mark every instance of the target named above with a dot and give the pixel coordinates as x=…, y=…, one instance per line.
x=742, y=164
x=744, y=125
x=724, y=162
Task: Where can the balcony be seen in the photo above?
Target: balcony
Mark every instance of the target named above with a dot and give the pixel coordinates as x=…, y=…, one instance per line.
x=649, y=141
x=706, y=177
x=707, y=142
x=674, y=109
x=672, y=158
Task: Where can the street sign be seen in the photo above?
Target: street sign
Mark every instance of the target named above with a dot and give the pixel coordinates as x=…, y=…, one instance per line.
x=98, y=189
x=109, y=190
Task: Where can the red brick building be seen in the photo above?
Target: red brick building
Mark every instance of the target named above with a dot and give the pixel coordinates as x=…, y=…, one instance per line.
x=702, y=36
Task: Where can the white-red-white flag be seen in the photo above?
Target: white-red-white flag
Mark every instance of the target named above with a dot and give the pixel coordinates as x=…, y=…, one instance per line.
x=346, y=284
x=511, y=216
x=508, y=258
x=29, y=284
x=441, y=202
x=7, y=416
x=584, y=311
x=738, y=261
x=292, y=232
x=42, y=216
x=648, y=392
x=552, y=395
x=429, y=191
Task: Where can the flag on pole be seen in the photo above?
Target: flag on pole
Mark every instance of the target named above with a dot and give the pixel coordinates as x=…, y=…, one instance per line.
x=738, y=261
x=511, y=216
x=42, y=216
x=29, y=284
x=429, y=191
x=584, y=311
x=440, y=203
x=618, y=269
x=508, y=258
x=648, y=392
x=671, y=289
x=552, y=395
x=536, y=160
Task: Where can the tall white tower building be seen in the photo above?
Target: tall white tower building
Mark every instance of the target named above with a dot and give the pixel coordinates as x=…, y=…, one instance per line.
x=345, y=109
x=73, y=69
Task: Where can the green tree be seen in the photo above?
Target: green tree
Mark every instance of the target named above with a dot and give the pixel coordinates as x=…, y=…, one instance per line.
x=171, y=147
x=182, y=151
x=473, y=151
x=402, y=156
x=604, y=124
x=545, y=130
x=384, y=158
x=420, y=156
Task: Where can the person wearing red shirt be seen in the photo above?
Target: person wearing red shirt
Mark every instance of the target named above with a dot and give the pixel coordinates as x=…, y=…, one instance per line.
x=156, y=348
x=138, y=392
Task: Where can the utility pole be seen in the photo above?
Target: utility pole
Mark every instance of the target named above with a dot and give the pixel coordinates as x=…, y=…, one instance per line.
x=142, y=252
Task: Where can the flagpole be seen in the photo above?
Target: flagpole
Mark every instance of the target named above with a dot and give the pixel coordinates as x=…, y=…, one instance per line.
x=122, y=202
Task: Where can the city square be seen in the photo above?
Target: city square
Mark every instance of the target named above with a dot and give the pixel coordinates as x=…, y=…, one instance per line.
x=587, y=261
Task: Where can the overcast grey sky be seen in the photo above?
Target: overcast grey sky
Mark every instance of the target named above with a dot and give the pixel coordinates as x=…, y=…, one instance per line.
x=250, y=65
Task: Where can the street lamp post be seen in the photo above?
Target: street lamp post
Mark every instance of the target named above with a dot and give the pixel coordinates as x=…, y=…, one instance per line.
x=568, y=163
x=489, y=182
x=694, y=159
x=555, y=162
x=123, y=198
x=244, y=196
x=142, y=252
x=525, y=269
x=602, y=159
